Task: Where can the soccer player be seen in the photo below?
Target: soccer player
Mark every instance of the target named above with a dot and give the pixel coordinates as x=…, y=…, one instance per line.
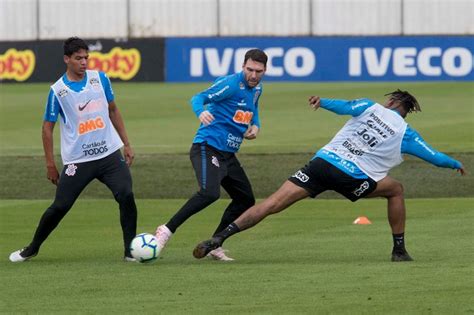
x=355, y=163
x=92, y=134
x=228, y=112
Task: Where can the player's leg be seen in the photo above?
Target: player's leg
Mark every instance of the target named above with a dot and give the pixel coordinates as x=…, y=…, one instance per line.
x=238, y=186
x=392, y=190
x=209, y=173
x=116, y=175
x=73, y=179
x=306, y=182
x=284, y=197
x=239, y=189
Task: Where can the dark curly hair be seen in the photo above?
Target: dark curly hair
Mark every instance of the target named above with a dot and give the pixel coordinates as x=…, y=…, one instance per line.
x=407, y=100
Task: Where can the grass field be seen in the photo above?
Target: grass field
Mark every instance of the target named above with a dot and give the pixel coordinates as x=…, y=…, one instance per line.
x=161, y=126
x=159, y=119
x=309, y=259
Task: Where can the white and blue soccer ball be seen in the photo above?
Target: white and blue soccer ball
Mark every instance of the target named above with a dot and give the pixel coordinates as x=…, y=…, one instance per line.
x=144, y=248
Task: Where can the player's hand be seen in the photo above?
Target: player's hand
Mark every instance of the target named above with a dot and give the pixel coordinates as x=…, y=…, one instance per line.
x=128, y=154
x=314, y=102
x=462, y=170
x=52, y=174
x=206, y=118
x=251, y=132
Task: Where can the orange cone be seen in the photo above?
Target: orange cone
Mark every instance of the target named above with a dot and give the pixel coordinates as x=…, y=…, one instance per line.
x=362, y=220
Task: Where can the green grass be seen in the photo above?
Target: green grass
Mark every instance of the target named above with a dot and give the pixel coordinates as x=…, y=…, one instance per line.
x=171, y=176
x=159, y=119
x=309, y=259
x=161, y=126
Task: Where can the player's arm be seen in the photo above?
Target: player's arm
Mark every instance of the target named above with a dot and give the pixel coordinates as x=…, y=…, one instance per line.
x=117, y=121
x=219, y=91
x=341, y=107
x=50, y=118
x=254, y=126
x=116, y=118
x=414, y=144
x=48, y=147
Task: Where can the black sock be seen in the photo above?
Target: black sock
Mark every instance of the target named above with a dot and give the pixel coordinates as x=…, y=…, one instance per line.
x=399, y=241
x=30, y=250
x=230, y=230
x=128, y=221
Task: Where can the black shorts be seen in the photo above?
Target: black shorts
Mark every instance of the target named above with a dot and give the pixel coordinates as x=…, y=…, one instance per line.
x=319, y=176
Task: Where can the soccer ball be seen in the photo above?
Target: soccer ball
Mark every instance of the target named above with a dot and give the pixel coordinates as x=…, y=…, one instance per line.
x=144, y=248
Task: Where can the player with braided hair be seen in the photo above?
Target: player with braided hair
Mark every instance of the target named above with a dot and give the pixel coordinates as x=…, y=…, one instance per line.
x=355, y=163
x=406, y=99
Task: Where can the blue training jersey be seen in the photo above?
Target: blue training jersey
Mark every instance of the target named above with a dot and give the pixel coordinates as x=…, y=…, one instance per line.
x=234, y=106
x=412, y=142
x=53, y=109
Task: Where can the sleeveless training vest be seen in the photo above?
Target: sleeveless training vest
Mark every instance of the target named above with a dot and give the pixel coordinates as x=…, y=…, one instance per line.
x=371, y=140
x=87, y=132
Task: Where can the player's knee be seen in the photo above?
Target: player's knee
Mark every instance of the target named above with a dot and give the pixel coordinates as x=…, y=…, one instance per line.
x=60, y=206
x=398, y=189
x=247, y=202
x=210, y=195
x=272, y=206
x=124, y=196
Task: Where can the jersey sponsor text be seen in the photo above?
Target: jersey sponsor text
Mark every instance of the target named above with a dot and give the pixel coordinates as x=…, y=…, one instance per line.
x=233, y=141
x=91, y=125
x=243, y=117
x=94, y=148
x=91, y=106
x=352, y=148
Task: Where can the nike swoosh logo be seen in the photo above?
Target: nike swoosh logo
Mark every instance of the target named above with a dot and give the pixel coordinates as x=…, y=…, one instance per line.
x=81, y=108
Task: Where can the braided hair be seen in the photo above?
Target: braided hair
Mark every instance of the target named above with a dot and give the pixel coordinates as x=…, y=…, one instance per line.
x=407, y=100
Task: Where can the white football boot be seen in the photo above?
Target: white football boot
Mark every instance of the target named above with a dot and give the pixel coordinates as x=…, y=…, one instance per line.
x=16, y=257
x=129, y=259
x=162, y=235
x=219, y=254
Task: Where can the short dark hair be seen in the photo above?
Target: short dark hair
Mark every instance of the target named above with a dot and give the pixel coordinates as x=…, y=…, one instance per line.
x=74, y=44
x=257, y=55
x=407, y=100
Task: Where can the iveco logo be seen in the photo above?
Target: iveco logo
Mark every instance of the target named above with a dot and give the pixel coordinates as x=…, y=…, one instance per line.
x=295, y=61
x=410, y=61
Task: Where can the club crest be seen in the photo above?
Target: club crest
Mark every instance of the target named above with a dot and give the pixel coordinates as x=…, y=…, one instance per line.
x=215, y=161
x=71, y=170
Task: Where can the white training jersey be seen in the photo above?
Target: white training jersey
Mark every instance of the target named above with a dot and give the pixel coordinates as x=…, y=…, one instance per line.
x=372, y=141
x=87, y=132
